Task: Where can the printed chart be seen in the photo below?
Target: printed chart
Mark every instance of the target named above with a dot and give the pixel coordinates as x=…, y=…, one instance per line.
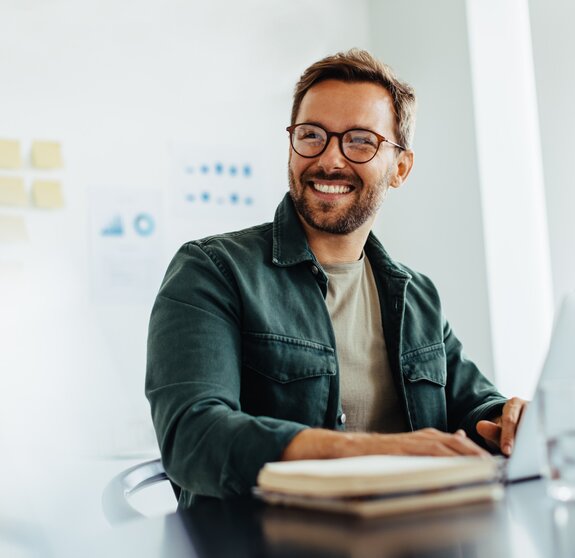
x=215, y=183
x=126, y=244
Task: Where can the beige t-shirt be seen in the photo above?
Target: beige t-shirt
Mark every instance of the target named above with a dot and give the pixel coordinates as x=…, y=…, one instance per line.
x=368, y=395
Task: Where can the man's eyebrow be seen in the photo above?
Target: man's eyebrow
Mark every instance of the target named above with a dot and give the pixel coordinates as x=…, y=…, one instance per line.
x=314, y=122
x=359, y=127
x=349, y=127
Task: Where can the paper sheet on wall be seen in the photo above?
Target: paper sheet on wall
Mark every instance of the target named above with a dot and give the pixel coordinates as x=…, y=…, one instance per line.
x=47, y=194
x=10, y=157
x=12, y=191
x=217, y=184
x=126, y=244
x=47, y=155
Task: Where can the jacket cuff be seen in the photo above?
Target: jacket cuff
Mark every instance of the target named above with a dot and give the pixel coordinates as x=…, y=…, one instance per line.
x=249, y=453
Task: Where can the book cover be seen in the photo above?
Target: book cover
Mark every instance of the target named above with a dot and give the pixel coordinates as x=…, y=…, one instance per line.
x=380, y=484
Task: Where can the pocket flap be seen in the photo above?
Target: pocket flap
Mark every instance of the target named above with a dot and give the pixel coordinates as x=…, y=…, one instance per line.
x=426, y=363
x=286, y=359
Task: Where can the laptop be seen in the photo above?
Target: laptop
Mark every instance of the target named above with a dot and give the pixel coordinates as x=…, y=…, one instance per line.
x=528, y=457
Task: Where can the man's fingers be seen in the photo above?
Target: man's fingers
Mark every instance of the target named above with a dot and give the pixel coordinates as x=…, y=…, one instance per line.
x=430, y=441
x=443, y=443
x=512, y=411
x=460, y=443
x=489, y=431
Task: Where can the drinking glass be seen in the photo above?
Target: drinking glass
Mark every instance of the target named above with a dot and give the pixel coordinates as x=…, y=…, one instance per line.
x=557, y=411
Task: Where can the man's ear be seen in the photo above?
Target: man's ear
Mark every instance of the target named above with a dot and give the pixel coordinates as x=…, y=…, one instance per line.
x=403, y=166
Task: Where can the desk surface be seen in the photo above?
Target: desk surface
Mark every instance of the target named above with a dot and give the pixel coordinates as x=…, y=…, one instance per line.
x=525, y=524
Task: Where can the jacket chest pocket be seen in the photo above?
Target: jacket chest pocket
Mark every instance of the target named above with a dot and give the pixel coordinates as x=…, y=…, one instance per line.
x=286, y=377
x=425, y=377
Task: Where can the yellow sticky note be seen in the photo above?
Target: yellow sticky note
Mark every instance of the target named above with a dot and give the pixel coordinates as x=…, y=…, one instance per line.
x=13, y=229
x=47, y=194
x=12, y=191
x=46, y=155
x=10, y=157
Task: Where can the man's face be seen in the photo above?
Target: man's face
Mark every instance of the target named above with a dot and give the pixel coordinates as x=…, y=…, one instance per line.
x=330, y=193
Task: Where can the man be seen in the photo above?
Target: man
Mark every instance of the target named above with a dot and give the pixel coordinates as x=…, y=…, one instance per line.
x=302, y=338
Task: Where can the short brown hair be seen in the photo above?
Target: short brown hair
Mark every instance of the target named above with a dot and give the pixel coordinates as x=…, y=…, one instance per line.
x=357, y=65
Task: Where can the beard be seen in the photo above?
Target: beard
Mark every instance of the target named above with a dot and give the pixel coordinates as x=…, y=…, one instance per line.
x=324, y=215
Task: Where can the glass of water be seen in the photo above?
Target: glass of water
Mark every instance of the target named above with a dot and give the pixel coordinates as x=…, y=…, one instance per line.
x=557, y=411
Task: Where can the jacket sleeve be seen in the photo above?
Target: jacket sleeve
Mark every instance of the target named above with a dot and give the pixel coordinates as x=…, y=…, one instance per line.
x=208, y=445
x=471, y=397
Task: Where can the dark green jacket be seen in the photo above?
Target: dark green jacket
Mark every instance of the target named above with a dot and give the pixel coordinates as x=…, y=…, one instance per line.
x=242, y=355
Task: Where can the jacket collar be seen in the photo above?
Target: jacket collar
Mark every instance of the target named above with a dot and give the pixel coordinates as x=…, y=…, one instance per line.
x=379, y=258
x=290, y=244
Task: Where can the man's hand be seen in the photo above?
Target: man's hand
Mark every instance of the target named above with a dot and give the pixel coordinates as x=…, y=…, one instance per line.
x=500, y=432
x=315, y=443
x=429, y=441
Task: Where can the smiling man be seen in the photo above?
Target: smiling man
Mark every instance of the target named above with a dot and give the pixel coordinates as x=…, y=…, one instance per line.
x=333, y=188
x=302, y=338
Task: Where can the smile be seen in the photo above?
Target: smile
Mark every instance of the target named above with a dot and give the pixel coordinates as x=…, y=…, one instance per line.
x=331, y=188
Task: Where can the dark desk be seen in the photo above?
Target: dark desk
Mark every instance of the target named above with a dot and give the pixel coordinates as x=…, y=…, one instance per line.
x=524, y=524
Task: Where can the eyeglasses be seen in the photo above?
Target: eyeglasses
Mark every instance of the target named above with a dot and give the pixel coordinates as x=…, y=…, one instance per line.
x=358, y=145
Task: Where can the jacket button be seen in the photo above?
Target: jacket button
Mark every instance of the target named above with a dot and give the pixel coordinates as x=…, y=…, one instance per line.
x=342, y=418
x=314, y=269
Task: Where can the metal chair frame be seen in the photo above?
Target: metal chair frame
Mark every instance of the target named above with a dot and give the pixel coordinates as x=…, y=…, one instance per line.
x=116, y=495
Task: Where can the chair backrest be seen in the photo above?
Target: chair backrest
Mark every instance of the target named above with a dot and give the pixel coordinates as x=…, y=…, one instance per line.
x=116, y=494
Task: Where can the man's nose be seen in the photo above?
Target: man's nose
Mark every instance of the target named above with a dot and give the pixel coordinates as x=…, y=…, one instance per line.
x=332, y=157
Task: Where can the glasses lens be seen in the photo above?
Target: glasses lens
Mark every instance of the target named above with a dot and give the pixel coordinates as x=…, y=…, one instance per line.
x=360, y=145
x=308, y=140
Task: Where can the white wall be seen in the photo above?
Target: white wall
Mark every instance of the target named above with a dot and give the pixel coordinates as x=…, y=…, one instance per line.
x=553, y=48
x=433, y=223
x=472, y=215
x=115, y=81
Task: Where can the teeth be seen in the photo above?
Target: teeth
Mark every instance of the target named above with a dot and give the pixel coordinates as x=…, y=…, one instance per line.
x=331, y=189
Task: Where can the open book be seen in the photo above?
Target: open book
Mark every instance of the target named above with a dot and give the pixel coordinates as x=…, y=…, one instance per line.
x=380, y=484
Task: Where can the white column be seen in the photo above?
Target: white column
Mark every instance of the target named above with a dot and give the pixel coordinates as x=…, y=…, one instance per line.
x=512, y=191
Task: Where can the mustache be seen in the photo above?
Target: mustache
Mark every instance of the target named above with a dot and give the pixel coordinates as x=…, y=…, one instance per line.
x=352, y=179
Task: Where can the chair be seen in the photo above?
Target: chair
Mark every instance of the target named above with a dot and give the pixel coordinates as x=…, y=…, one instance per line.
x=117, y=493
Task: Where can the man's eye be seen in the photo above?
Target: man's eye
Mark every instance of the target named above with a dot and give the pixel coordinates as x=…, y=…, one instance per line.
x=309, y=134
x=361, y=141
